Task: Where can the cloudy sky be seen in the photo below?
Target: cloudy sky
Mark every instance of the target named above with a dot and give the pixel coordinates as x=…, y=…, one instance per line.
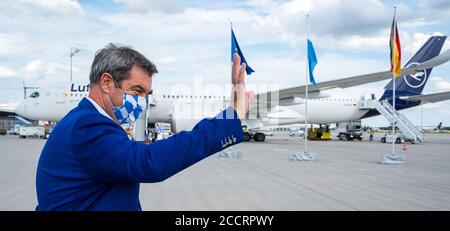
x=190, y=40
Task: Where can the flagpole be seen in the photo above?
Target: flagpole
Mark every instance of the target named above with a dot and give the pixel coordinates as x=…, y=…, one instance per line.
x=393, y=85
x=307, y=156
x=394, y=43
x=306, y=88
x=232, y=153
x=232, y=61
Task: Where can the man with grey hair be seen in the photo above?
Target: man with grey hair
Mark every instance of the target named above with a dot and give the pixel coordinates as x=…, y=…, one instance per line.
x=89, y=163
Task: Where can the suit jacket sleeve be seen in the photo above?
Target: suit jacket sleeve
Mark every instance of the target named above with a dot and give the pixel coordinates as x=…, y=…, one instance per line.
x=106, y=153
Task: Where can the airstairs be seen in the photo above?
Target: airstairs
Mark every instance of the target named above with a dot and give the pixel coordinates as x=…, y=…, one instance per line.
x=385, y=109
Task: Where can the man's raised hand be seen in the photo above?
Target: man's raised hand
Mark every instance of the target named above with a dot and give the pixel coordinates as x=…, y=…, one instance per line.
x=240, y=98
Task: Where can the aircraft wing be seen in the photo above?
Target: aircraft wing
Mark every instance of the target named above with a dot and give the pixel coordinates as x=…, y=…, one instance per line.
x=299, y=91
x=264, y=102
x=430, y=98
x=8, y=108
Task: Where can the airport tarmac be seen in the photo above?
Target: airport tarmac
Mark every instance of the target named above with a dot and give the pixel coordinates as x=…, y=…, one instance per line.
x=347, y=175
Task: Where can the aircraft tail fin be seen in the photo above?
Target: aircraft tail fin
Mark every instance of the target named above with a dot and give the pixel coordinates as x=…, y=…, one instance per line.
x=410, y=85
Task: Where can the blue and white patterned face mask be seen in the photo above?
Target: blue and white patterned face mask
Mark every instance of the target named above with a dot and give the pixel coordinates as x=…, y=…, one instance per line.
x=131, y=107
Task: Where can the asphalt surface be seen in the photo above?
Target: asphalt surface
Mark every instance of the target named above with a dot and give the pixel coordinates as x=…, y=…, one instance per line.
x=347, y=175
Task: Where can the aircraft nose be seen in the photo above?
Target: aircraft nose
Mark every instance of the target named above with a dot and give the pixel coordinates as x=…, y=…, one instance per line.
x=21, y=109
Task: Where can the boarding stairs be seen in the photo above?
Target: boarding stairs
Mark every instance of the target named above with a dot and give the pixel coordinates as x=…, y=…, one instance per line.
x=406, y=126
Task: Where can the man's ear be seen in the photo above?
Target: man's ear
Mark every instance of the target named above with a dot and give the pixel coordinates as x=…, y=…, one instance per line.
x=106, y=82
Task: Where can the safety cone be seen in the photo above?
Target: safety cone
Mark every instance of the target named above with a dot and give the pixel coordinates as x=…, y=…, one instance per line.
x=405, y=148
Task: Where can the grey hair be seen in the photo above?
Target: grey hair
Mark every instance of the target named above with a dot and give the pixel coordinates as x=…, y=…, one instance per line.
x=118, y=60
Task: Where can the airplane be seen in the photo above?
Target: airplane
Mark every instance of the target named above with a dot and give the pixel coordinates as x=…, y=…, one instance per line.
x=439, y=126
x=409, y=87
x=288, y=108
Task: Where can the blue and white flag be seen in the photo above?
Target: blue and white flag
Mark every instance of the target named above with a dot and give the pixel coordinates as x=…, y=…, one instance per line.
x=236, y=49
x=312, y=61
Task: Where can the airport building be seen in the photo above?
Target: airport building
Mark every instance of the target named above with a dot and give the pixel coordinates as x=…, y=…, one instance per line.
x=10, y=121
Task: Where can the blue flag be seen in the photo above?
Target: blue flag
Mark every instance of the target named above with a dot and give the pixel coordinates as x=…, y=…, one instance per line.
x=236, y=49
x=312, y=61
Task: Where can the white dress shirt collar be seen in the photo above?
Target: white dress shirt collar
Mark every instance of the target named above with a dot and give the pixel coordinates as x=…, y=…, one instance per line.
x=99, y=109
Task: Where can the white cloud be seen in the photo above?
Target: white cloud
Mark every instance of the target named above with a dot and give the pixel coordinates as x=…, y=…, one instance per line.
x=202, y=36
x=365, y=26
x=6, y=72
x=33, y=66
x=357, y=43
x=435, y=4
x=42, y=70
x=440, y=83
x=297, y=6
x=412, y=42
x=168, y=60
x=36, y=70
x=13, y=45
x=41, y=8
x=263, y=4
x=143, y=6
x=186, y=41
x=189, y=24
x=197, y=38
x=330, y=17
x=439, y=8
x=343, y=24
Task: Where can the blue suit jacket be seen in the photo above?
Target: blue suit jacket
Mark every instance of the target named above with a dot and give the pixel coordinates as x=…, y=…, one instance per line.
x=89, y=163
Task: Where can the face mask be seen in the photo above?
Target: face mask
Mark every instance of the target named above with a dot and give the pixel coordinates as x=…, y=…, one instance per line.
x=130, y=109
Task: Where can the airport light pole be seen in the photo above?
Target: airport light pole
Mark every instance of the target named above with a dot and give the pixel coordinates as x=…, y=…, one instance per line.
x=73, y=51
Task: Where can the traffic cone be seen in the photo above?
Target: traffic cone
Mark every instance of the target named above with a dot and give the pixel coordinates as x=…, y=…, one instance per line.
x=405, y=148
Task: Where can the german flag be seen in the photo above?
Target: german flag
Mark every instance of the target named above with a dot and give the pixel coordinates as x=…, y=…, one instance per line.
x=396, y=53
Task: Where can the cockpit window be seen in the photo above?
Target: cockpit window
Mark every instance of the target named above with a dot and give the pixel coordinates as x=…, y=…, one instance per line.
x=34, y=95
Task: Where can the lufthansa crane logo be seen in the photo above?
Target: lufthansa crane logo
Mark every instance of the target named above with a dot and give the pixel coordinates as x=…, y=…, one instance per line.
x=416, y=80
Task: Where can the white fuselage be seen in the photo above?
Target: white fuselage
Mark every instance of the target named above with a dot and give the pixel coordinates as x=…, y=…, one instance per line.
x=186, y=110
x=323, y=110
